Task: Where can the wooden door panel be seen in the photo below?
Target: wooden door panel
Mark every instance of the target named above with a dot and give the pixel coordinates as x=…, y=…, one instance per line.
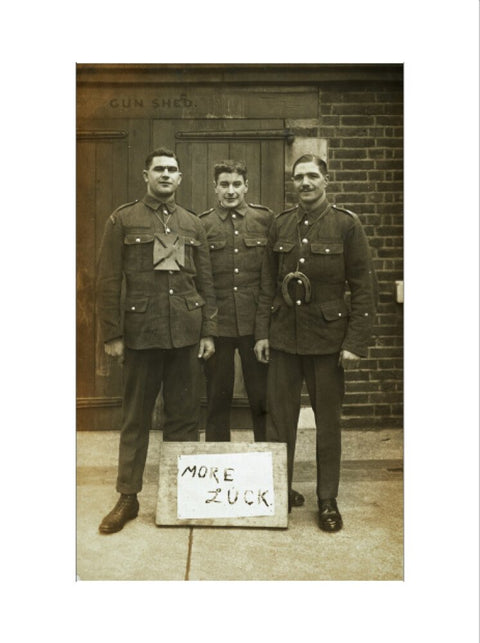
x=109, y=173
x=102, y=185
x=265, y=167
x=85, y=232
x=198, y=156
x=272, y=158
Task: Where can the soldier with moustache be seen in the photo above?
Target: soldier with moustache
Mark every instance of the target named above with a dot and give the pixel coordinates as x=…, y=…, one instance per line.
x=304, y=328
x=237, y=236
x=157, y=252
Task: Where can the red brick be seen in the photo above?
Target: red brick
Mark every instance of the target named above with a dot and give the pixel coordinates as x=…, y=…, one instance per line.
x=383, y=410
x=350, y=198
x=363, y=386
x=392, y=98
x=376, y=153
x=359, y=109
x=349, y=154
x=358, y=120
x=357, y=164
x=389, y=119
x=329, y=120
x=360, y=410
x=358, y=141
x=390, y=164
x=351, y=176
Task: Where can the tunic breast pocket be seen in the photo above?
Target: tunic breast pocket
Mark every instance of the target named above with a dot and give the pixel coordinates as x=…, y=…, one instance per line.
x=191, y=243
x=327, y=261
x=254, y=248
x=138, y=252
x=217, y=257
x=284, y=254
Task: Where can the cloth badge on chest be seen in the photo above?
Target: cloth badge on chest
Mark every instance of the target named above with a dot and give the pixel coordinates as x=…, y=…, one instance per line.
x=168, y=252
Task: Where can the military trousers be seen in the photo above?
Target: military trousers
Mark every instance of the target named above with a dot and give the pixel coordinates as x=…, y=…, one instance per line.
x=177, y=371
x=220, y=373
x=324, y=379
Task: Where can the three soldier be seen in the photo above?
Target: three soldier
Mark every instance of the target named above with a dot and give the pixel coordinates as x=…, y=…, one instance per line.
x=236, y=277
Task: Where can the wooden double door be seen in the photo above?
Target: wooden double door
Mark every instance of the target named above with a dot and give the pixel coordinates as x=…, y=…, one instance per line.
x=110, y=158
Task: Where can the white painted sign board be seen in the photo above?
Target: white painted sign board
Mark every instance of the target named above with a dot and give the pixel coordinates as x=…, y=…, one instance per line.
x=223, y=484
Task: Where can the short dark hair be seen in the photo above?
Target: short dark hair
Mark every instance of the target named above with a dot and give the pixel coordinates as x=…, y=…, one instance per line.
x=230, y=166
x=311, y=158
x=160, y=151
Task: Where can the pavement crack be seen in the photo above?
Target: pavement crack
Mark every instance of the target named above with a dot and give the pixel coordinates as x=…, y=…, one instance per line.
x=189, y=555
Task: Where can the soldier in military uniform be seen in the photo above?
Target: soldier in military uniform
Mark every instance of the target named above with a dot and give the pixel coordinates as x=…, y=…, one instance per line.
x=237, y=236
x=304, y=328
x=158, y=251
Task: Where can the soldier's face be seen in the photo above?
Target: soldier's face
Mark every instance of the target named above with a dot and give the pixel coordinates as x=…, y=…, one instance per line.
x=309, y=182
x=162, y=177
x=231, y=189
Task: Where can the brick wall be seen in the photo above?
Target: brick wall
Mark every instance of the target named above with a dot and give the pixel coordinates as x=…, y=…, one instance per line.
x=364, y=130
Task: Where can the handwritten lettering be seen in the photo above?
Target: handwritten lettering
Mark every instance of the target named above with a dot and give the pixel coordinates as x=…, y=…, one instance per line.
x=225, y=485
x=214, y=499
x=232, y=495
x=202, y=471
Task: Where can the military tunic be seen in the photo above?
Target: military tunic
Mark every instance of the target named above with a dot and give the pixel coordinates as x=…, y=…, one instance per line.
x=329, y=246
x=157, y=254
x=310, y=261
x=237, y=239
x=162, y=308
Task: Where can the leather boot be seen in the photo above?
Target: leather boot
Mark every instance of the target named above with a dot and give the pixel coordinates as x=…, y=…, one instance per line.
x=126, y=509
x=296, y=499
x=329, y=518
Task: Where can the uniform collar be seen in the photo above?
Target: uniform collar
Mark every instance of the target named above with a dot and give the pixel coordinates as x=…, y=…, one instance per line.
x=224, y=212
x=155, y=204
x=317, y=212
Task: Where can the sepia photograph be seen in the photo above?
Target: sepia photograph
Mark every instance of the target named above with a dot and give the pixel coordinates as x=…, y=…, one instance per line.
x=239, y=287
x=235, y=400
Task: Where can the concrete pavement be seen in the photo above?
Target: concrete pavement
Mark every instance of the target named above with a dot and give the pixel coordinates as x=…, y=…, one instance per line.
x=370, y=547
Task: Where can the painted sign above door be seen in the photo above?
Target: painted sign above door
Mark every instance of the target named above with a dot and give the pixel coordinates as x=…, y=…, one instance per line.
x=204, y=102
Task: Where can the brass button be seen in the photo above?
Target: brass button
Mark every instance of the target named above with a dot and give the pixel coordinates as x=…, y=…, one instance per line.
x=235, y=288
x=299, y=282
x=132, y=308
x=302, y=260
x=236, y=250
x=304, y=240
x=236, y=232
x=327, y=250
x=236, y=271
x=137, y=240
x=170, y=291
x=298, y=302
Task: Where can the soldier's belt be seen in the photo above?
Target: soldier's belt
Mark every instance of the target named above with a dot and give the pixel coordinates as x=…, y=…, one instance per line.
x=299, y=277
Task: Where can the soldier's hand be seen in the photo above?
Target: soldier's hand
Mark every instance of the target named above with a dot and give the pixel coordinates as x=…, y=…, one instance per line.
x=206, y=348
x=348, y=359
x=262, y=351
x=115, y=348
